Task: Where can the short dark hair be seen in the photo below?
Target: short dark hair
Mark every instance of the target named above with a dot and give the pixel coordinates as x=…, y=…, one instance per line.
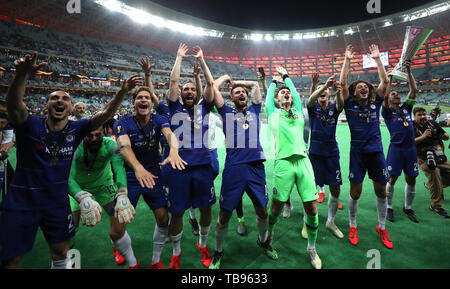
x=236, y=86
x=418, y=109
x=142, y=88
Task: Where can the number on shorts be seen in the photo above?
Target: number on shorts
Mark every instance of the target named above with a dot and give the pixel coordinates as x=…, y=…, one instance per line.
x=70, y=218
x=338, y=175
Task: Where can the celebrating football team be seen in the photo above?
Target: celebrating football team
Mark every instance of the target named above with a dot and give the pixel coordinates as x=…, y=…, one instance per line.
x=68, y=168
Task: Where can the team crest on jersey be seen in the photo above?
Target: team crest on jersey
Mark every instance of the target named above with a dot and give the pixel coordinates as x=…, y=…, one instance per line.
x=275, y=191
x=119, y=129
x=70, y=138
x=331, y=113
x=372, y=106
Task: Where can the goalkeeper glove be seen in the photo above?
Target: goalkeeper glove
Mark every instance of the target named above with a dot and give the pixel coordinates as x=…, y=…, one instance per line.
x=90, y=210
x=124, y=210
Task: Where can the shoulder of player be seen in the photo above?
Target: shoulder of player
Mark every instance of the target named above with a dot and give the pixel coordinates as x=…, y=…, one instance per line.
x=160, y=119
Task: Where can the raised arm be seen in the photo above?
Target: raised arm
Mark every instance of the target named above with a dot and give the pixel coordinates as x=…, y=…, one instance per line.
x=411, y=82
x=384, y=80
x=262, y=78
x=318, y=92
x=288, y=82
x=144, y=62
x=111, y=107
x=314, y=81
x=209, y=89
x=339, y=98
x=198, y=81
x=270, y=104
x=345, y=71
x=218, y=98
x=175, y=73
x=17, y=111
x=255, y=93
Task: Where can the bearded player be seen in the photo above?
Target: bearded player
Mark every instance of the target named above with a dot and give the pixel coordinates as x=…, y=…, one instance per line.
x=244, y=164
x=38, y=194
x=92, y=172
x=138, y=137
x=402, y=154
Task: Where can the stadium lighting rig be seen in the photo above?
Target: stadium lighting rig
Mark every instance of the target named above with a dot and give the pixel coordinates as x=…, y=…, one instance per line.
x=143, y=18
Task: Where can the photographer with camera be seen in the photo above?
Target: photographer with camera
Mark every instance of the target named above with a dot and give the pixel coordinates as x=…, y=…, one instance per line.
x=432, y=160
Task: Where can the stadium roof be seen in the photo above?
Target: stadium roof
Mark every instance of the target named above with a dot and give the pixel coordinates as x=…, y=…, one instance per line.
x=157, y=26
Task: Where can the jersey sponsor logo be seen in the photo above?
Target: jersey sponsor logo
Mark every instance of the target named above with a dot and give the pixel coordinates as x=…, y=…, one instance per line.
x=66, y=151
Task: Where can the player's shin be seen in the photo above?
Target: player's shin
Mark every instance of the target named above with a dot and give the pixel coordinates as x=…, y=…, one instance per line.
x=389, y=194
x=220, y=233
x=312, y=227
x=263, y=225
x=159, y=239
x=123, y=246
x=382, y=211
x=410, y=193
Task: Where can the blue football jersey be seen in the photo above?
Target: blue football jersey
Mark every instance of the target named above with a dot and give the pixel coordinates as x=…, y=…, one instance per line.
x=400, y=124
x=39, y=182
x=145, y=147
x=241, y=131
x=323, y=130
x=364, y=123
x=190, y=127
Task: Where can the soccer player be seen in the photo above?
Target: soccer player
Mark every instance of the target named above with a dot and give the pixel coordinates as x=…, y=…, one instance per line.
x=38, y=194
x=244, y=167
x=292, y=165
x=138, y=136
x=402, y=155
x=362, y=104
x=193, y=187
x=323, y=149
x=91, y=174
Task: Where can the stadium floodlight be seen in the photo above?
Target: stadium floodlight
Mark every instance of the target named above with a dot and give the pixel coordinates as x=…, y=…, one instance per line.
x=256, y=36
x=297, y=36
x=387, y=23
x=349, y=31
x=281, y=36
x=268, y=37
x=113, y=5
x=310, y=35
x=439, y=8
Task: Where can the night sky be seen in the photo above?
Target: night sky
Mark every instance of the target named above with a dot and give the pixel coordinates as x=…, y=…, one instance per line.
x=286, y=15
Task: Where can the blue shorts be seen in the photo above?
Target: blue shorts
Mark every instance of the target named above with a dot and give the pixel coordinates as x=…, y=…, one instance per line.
x=18, y=229
x=155, y=198
x=402, y=159
x=373, y=163
x=251, y=178
x=214, y=162
x=192, y=187
x=327, y=170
